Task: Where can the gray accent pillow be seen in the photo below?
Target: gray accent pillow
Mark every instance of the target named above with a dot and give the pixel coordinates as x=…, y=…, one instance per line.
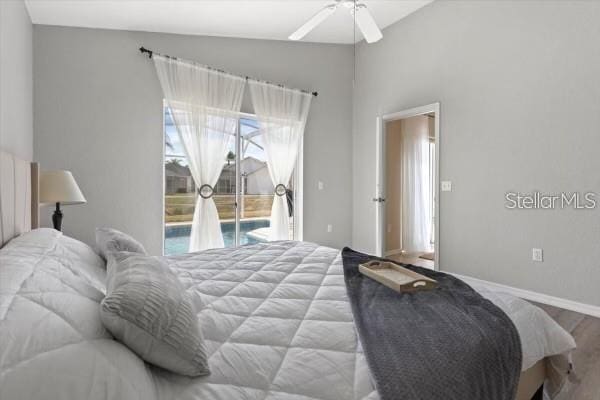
x=110, y=240
x=148, y=309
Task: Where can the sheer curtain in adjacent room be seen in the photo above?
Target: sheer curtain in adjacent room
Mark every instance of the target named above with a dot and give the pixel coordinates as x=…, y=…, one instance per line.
x=416, y=186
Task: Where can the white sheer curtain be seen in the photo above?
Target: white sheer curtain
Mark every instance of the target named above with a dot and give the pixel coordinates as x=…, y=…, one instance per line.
x=205, y=106
x=282, y=114
x=416, y=189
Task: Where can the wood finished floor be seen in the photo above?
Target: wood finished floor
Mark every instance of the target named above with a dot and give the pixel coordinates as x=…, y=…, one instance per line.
x=414, y=260
x=586, y=358
x=585, y=330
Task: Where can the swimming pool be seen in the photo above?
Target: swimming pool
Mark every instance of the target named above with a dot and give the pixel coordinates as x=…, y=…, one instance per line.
x=177, y=237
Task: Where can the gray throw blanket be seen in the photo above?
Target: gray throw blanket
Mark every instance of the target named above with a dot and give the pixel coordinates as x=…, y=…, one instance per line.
x=448, y=343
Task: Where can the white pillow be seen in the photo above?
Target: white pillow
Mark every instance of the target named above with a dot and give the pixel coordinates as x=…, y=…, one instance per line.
x=148, y=310
x=83, y=261
x=71, y=253
x=110, y=240
x=53, y=345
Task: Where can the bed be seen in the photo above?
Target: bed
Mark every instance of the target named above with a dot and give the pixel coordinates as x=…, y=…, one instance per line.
x=275, y=318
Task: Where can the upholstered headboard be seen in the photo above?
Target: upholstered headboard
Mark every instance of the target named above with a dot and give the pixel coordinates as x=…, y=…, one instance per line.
x=19, y=185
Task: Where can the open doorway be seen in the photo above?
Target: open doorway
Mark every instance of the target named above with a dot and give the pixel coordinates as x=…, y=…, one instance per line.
x=407, y=186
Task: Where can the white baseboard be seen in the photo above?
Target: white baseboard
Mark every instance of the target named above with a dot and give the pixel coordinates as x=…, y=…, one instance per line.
x=582, y=308
x=392, y=252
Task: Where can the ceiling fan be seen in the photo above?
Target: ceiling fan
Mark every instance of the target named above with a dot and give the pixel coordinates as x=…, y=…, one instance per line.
x=363, y=18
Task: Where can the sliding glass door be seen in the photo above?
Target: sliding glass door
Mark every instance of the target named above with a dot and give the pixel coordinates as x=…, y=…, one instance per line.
x=243, y=194
x=255, y=195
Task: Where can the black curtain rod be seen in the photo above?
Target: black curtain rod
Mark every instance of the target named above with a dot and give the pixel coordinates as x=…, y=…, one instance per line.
x=144, y=50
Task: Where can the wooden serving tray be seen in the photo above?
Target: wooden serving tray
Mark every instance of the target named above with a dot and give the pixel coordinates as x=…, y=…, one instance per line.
x=396, y=277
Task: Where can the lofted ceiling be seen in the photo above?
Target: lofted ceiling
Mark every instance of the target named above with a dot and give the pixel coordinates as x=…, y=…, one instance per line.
x=255, y=19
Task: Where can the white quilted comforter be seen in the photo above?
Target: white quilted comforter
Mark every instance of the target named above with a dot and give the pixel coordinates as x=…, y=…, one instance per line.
x=275, y=317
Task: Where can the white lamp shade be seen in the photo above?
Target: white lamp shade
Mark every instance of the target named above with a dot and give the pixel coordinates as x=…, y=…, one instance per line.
x=59, y=187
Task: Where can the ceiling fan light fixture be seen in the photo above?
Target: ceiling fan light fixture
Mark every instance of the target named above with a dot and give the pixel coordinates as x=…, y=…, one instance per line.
x=349, y=4
x=362, y=18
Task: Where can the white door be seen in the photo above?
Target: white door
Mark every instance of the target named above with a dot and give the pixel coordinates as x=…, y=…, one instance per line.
x=379, y=198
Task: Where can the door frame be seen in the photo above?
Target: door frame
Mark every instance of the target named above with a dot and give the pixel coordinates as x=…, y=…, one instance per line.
x=380, y=225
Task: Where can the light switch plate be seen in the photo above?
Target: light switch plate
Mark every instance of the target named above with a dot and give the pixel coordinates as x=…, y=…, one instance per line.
x=320, y=185
x=537, y=255
x=446, y=186
x=329, y=228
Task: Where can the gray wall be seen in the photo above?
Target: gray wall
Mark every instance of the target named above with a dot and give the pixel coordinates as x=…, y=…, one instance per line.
x=519, y=89
x=16, y=84
x=519, y=86
x=98, y=113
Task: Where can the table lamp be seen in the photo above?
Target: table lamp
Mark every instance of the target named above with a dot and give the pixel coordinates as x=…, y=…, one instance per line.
x=59, y=187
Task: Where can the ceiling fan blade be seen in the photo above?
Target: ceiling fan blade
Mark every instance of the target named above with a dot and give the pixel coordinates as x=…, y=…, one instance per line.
x=367, y=24
x=313, y=22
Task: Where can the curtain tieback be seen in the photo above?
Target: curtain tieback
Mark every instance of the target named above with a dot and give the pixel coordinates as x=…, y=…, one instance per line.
x=280, y=190
x=206, y=191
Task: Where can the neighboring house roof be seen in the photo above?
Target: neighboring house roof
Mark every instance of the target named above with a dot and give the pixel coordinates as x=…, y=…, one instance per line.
x=248, y=166
x=258, y=170
x=172, y=169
